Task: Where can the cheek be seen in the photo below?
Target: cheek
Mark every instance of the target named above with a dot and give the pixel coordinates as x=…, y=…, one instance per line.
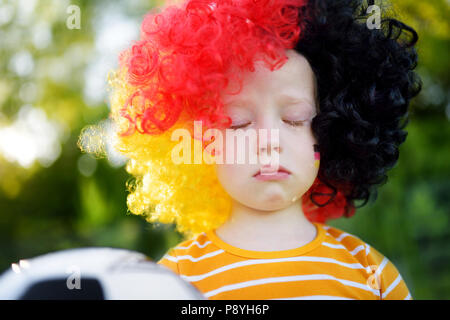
x=236, y=149
x=301, y=152
x=231, y=178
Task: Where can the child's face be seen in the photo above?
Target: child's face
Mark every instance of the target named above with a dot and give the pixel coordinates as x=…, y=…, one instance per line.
x=285, y=100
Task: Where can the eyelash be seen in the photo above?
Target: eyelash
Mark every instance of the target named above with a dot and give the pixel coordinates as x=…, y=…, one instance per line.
x=295, y=123
x=290, y=122
x=240, y=126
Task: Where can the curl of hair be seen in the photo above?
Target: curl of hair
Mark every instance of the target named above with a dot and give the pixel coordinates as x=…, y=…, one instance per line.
x=365, y=82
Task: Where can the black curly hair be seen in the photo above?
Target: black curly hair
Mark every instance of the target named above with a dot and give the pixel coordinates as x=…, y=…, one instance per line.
x=365, y=82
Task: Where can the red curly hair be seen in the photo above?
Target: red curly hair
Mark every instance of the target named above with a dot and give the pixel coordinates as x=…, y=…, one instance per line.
x=187, y=55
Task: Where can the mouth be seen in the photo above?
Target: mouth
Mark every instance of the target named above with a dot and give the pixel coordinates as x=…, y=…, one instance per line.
x=267, y=175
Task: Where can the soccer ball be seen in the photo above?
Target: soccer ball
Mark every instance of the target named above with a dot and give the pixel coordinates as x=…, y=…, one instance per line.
x=93, y=273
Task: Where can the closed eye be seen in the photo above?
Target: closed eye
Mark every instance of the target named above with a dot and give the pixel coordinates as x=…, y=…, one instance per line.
x=295, y=123
x=238, y=126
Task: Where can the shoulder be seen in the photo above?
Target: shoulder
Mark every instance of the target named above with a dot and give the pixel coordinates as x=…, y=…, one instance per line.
x=194, y=249
x=339, y=239
x=384, y=273
x=359, y=248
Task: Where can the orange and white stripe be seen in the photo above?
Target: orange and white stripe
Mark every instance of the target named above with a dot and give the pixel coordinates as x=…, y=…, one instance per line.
x=335, y=265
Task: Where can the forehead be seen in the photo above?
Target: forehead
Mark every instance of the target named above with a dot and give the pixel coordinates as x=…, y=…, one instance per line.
x=294, y=79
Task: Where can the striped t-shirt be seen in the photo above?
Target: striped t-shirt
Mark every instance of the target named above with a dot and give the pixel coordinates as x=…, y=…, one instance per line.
x=335, y=265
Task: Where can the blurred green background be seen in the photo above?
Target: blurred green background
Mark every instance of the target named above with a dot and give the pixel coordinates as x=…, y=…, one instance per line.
x=53, y=197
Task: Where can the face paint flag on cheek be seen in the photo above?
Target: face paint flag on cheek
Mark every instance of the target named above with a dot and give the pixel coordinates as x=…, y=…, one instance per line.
x=316, y=156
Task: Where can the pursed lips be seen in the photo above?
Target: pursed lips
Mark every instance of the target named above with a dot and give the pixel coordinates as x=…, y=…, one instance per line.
x=267, y=175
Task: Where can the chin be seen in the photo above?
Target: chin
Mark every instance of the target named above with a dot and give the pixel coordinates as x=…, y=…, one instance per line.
x=269, y=207
x=271, y=202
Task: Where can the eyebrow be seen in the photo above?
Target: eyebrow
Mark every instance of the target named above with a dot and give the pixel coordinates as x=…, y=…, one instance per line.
x=297, y=99
x=294, y=98
x=283, y=96
x=240, y=101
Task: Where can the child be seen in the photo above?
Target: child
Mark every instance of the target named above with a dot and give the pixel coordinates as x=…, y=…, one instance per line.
x=324, y=83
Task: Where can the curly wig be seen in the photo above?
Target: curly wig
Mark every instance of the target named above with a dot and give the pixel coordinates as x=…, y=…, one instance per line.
x=365, y=82
x=188, y=53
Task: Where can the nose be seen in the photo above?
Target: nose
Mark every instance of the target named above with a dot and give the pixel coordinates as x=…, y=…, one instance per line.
x=268, y=133
x=268, y=149
x=268, y=159
x=268, y=141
